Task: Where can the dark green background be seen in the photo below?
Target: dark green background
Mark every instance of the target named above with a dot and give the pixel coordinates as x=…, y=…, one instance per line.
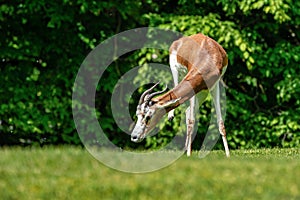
x=44, y=42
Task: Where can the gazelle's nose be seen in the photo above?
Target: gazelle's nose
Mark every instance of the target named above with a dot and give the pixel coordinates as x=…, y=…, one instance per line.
x=134, y=138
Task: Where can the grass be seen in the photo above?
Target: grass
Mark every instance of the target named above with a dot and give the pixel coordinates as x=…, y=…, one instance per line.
x=72, y=173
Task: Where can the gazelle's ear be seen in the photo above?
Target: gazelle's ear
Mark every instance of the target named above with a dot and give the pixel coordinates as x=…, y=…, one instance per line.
x=169, y=103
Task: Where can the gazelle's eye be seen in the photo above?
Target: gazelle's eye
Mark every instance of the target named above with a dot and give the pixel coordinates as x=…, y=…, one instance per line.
x=147, y=119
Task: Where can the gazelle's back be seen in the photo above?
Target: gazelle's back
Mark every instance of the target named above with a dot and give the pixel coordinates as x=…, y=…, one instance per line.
x=198, y=51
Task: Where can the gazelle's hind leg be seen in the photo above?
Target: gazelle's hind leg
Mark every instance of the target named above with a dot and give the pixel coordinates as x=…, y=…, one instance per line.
x=190, y=122
x=216, y=98
x=173, y=63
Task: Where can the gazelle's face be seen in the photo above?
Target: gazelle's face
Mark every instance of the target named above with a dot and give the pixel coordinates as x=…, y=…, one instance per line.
x=147, y=117
x=149, y=113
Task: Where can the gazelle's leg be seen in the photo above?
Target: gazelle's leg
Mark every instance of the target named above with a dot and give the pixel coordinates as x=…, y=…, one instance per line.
x=173, y=63
x=190, y=122
x=216, y=98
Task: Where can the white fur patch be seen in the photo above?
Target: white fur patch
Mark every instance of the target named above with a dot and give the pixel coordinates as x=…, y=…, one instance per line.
x=175, y=65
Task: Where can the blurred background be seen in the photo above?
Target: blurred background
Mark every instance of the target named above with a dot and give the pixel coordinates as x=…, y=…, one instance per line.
x=43, y=43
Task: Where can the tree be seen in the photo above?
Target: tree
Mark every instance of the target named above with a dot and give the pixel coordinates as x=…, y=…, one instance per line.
x=43, y=44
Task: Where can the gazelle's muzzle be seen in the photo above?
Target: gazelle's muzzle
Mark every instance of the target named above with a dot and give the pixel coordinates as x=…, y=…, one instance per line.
x=138, y=133
x=135, y=138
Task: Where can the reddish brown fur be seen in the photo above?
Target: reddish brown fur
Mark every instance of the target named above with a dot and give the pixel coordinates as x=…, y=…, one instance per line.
x=204, y=59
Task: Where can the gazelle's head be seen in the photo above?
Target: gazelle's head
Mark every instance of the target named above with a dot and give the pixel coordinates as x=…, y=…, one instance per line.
x=148, y=113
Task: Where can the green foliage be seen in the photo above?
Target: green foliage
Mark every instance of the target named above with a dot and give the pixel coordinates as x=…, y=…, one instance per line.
x=43, y=44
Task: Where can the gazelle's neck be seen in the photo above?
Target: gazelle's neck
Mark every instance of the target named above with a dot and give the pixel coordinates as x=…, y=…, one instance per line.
x=185, y=90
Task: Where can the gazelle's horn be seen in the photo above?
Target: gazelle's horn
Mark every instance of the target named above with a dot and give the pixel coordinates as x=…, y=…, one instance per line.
x=149, y=97
x=147, y=92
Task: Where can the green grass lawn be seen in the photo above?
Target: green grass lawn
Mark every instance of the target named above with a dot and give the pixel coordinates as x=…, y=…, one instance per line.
x=72, y=173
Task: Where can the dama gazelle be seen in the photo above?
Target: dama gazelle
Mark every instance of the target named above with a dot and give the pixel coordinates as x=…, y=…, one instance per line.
x=206, y=62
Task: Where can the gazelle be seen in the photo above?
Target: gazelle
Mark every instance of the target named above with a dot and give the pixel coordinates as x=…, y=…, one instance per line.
x=206, y=62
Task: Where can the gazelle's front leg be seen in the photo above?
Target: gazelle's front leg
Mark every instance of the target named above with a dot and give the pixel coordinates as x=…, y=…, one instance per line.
x=173, y=63
x=190, y=122
x=216, y=98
